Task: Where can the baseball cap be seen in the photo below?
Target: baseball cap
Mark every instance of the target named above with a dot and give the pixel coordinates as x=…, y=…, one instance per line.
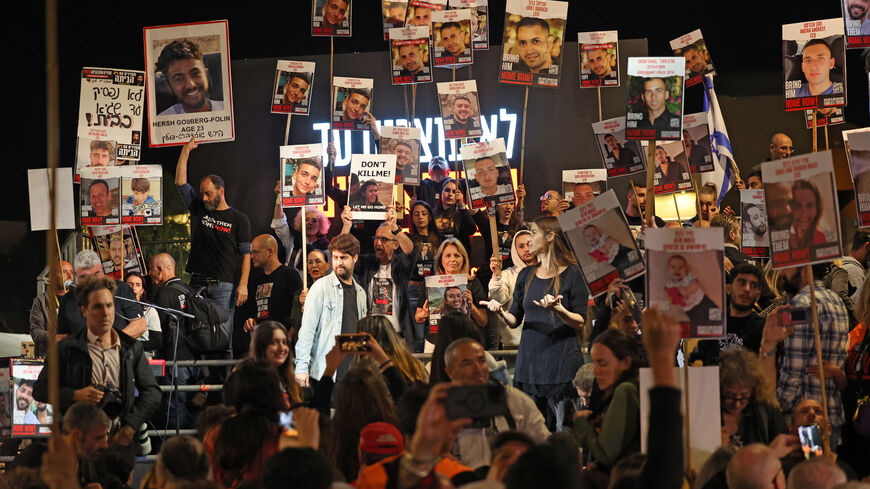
x=382, y=439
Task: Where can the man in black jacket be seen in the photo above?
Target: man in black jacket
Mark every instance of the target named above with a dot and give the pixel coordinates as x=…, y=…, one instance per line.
x=100, y=360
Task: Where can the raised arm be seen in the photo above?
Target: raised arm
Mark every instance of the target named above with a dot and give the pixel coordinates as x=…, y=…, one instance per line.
x=181, y=167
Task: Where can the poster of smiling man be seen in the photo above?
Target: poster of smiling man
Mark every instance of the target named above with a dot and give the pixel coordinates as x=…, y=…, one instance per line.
x=188, y=83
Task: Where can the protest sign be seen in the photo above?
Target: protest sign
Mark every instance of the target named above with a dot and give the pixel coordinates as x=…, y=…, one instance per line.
x=404, y=142
x=352, y=98
x=40, y=199
x=100, y=196
x=301, y=168
x=410, y=60
x=620, y=156
x=692, y=47
x=488, y=172
x=531, y=29
x=292, y=91
x=655, y=98
x=755, y=240
x=460, y=109
x=451, y=38
x=375, y=174
x=814, y=64
x=599, y=58
x=330, y=18
x=858, y=150
x=141, y=194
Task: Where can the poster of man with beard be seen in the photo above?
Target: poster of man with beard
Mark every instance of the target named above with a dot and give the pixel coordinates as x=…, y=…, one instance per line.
x=753, y=212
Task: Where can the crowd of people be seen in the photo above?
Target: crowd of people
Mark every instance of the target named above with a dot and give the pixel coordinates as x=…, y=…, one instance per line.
x=303, y=409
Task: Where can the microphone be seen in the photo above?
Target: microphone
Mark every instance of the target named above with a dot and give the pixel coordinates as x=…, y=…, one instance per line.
x=68, y=284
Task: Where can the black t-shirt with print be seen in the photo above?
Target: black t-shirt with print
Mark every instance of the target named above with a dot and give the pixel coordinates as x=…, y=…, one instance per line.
x=270, y=297
x=216, y=240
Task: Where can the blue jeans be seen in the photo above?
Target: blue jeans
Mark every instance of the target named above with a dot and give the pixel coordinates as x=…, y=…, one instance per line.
x=186, y=376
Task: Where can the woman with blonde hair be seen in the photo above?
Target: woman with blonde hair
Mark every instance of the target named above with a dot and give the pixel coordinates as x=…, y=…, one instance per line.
x=551, y=298
x=452, y=259
x=408, y=368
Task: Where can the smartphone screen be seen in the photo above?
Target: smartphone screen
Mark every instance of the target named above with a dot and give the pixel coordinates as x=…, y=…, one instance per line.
x=811, y=444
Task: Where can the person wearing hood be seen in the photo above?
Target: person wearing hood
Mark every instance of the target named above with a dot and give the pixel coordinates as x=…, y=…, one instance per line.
x=501, y=286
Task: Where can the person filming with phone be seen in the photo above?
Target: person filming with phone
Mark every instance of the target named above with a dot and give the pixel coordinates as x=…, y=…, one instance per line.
x=465, y=362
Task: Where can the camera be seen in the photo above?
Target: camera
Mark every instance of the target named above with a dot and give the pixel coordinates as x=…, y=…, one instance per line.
x=480, y=403
x=811, y=444
x=111, y=403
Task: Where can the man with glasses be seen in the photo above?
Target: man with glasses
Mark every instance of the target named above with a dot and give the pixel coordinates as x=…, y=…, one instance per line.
x=553, y=204
x=385, y=274
x=780, y=147
x=744, y=325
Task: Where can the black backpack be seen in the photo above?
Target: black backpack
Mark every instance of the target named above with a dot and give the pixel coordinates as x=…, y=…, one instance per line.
x=209, y=332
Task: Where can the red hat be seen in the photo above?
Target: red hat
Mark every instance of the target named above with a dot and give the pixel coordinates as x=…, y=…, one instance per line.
x=382, y=439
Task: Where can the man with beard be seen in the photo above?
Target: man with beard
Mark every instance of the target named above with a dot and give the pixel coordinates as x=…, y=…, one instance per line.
x=24, y=396
x=453, y=40
x=755, y=225
x=800, y=353
x=857, y=10
x=599, y=63
x=744, y=325
x=413, y=59
x=220, y=239
x=346, y=301
x=462, y=117
x=42, y=415
x=667, y=170
x=403, y=151
x=534, y=44
x=387, y=270
x=186, y=76
x=695, y=63
x=116, y=252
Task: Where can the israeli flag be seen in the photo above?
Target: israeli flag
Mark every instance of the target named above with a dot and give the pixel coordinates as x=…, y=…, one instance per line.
x=723, y=173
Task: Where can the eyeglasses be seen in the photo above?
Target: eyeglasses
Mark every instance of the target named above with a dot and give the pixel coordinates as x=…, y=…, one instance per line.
x=736, y=399
x=385, y=240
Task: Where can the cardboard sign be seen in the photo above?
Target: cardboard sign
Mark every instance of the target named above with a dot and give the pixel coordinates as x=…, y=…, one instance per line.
x=100, y=196
x=404, y=142
x=29, y=417
x=488, y=172
x=411, y=60
x=814, y=64
x=697, y=144
x=857, y=24
x=599, y=58
x=698, y=63
x=655, y=98
x=802, y=209
x=858, y=150
x=111, y=109
x=141, y=194
x=188, y=83
x=753, y=214
x=294, y=81
x=531, y=29
x=460, y=109
x=686, y=278
x=39, y=198
x=330, y=18
x=420, y=12
x=446, y=293
x=352, y=98
x=671, y=167
x=581, y=186
x=301, y=170
x=479, y=21
x=393, y=13
x=620, y=156
x=451, y=36
x=375, y=174
x=602, y=242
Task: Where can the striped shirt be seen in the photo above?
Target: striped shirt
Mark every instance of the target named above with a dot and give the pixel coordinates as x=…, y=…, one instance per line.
x=795, y=383
x=105, y=361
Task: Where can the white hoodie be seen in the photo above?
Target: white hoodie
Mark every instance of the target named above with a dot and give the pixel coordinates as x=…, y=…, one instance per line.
x=502, y=289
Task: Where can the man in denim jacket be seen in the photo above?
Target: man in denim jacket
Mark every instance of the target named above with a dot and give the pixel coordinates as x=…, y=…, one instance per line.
x=332, y=306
